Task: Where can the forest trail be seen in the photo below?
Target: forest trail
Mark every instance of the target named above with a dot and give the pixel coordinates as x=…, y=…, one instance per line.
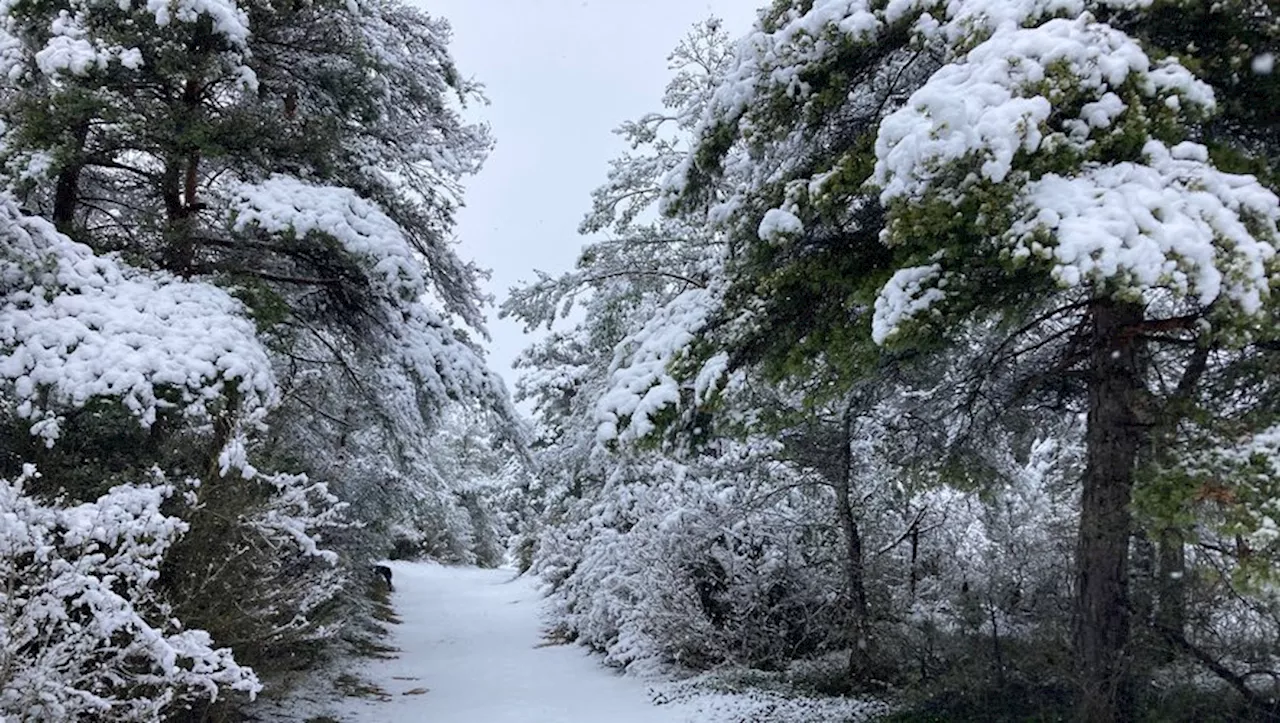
x=471, y=649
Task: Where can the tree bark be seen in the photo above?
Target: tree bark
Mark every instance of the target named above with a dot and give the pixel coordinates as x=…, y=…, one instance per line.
x=1115, y=434
x=180, y=186
x=178, y=253
x=1142, y=593
x=66, y=193
x=860, y=663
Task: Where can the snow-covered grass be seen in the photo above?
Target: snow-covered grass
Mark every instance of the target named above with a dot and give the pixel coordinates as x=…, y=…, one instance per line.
x=471, y=647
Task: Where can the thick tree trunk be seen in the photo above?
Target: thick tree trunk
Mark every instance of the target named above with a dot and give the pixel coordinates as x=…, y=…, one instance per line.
x=66, y=193
x=860, y=658
x=178, y=253
x=1114, y=437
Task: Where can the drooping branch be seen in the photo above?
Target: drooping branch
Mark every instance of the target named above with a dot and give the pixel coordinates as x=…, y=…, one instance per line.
x=644, y=272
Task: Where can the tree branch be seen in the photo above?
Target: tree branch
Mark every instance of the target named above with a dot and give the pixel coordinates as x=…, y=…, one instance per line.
x=640, y=272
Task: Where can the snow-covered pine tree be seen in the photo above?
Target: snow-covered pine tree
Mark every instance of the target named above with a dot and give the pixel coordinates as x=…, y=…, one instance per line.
x=1073, y=181
x=304, y=159
x=833, y=247
x=621, y=280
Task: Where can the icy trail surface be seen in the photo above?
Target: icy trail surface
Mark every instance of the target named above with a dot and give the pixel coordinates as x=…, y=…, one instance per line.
x=471, y=649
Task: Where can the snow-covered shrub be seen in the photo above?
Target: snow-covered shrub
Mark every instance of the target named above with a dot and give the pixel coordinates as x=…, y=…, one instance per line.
x=696, y=567
x=77, y=327
x=255, y=569
x=83, y=633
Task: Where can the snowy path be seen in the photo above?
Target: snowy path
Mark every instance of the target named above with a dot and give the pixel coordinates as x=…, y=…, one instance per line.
x=469, y=642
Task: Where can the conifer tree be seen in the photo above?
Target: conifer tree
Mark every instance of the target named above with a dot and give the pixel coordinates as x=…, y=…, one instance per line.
x=911, y=174
x=298, y=165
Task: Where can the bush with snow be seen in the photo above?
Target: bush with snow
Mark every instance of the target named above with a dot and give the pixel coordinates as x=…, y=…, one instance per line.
x=83, y=632
x=695, y=565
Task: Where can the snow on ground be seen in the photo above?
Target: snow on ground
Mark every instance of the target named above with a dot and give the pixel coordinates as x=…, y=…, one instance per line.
x=471, y=648
x=472, y=640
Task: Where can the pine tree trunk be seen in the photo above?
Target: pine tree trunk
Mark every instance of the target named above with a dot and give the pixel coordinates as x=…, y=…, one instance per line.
x=860, y=658
x=1102, y=564
x=66, y=194
x=180, y=185
x=65, y=198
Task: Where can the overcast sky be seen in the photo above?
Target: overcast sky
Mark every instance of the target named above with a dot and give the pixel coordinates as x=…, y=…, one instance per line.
x=560, y=76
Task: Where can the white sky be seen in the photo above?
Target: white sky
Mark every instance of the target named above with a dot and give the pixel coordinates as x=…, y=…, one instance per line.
x=560, y=76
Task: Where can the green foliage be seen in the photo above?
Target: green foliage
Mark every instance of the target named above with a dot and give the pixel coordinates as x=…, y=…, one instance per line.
x=1219, y=42
x=105, y=446
x=268, y=307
